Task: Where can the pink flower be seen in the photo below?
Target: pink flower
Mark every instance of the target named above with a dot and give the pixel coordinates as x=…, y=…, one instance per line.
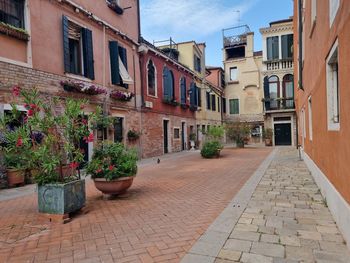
x=16, y=91
x=74, y=165
x=90, y=138
x=19, y=142
x=111, y=167
x=84, y=121
x=98, y=170
x=30, y=113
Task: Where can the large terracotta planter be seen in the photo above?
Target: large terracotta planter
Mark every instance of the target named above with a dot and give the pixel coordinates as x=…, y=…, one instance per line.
x=15, y=177
x=114, y=187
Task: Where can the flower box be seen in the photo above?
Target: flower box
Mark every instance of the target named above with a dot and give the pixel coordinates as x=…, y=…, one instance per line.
x=81, y=87
x=115, y=7
x=121, y=95
x=15, y=32
x=171, y=102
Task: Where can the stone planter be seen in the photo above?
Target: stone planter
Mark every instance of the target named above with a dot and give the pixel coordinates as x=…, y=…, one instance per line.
x=192, y=144
x=114, y=187
x=13, y=32
x=61, y=199
x=15, y=177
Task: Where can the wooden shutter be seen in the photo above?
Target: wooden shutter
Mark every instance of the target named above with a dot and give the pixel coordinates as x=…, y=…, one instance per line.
x=267, y=93
x=114, y=60
x=124, y=57
x=88, y=53
x=213, y=101
x=285, y=53
x=208, y=101
x=65, y=29
x=236, y=106
x=269, y=48
x=223, y=104
x=183, y=90
x=275, y=48
x=199, y=97
x=218, y=104
x=166, y=94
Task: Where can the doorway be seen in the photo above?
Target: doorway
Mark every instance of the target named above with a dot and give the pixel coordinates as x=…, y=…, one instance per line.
x=183, y=136
x=166, y=135
x=283, y=134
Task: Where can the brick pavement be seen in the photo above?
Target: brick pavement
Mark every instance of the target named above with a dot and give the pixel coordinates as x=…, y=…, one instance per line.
x=167, y=209
x=286, y=221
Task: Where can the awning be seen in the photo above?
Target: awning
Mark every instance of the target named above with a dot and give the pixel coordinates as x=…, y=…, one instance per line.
x=124, y=73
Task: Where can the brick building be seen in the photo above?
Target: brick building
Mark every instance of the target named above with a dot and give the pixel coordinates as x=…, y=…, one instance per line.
x=70, y=48
x=322, y=56
x=169, y=102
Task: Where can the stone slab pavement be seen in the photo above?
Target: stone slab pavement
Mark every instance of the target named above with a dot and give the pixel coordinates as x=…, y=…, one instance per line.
x=286, y=220
x=170, y=205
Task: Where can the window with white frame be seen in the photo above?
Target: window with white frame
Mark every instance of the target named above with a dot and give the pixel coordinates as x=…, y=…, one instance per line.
x=333, y=89
x=333, y=9
x=313, y=11
x=310, y=118
x=233, y=73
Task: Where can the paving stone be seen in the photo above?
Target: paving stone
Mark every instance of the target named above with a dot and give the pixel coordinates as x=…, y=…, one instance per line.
x=327, y=229
x=290, y=240
x=313, y=244
x=328, y=257
x=249, y=228
x=309, y=235
x=299, y=253
x=333, y=247
x=238, y=245
x=254, y=258
x=230, y=255
x=267, y=249
x=270, y=238
x=244, y=235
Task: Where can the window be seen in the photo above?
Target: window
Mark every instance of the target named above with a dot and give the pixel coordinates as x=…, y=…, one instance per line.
x=288, y=91
x=333, y=9
x=222, y=79
x=219, y=104
x=118, y=129
x=287, y=46
x=78, y=49
x=272, y=48
x=233, y=73
x=168, y=85
x=197, y=64
x=208, y=100
x=213, y=102
x=223, y=105
x=273, y=91
x=199, y=97
x=12, y=12
x=310, y=118
x=234, y=106
x=151, y=79
x=183, y=90
x=119, y=65
x=333, y=89
x=193, y=94
x=313, y=11
x=176, y=133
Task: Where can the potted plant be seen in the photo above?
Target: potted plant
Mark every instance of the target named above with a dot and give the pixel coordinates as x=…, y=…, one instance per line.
x=238, y=132
x=57, y=156
x=267, y=136
x=192, y=138
x=211, y=149
x=113, y=168
x=133, y=135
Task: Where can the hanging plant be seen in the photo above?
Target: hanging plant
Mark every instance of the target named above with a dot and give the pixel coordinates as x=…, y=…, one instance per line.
x=121, y=95
x=133, y=135
x=81, y=87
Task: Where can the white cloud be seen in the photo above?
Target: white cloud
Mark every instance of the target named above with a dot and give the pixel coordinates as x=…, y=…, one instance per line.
x=189, y=19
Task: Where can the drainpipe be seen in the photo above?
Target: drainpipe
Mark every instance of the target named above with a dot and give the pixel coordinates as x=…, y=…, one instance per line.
x=300, y=40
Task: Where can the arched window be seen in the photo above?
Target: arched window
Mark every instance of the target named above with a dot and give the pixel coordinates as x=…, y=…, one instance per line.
x=168, y=84
x=183, y=90
x=288, y=90
x=274, y=91
x=151, y=79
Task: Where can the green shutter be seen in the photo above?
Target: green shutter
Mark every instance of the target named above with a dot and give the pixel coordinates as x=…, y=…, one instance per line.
x=234, y=106
x=65, y=44
x=114, y=60
x=88, y=53
x=124, y=58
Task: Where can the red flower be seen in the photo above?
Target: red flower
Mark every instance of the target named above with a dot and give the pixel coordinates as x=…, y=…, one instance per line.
x=30, y=113
x=84, y=121
x=25, y=119
x=98, y=170
x=111, y=167
x=16, y=91
x=74, y=165
x=19, y=142
x=27, y=106
x=90, y=138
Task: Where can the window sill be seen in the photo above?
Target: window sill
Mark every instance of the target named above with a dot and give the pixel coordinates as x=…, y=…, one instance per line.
x=233, y=82
x=151, y=96
x=77, y=77
x=14, y=32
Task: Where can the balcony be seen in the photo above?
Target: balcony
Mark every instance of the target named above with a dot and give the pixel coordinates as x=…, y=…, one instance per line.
x=279, y=64
x=235, y=36
x=279, y=104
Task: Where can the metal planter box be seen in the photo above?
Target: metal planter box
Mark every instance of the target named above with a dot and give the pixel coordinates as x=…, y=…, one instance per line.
x=61, y=198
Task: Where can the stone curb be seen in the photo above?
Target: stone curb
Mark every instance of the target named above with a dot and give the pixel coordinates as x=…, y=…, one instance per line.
x=208, y=246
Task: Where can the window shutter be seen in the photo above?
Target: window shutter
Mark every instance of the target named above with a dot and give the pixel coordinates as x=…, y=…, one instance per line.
x=114, y=60
x=275, y=48
x=223, y=105
x=199, y=97
x=213, y=101
x=124, y=57
x=236, y=106
x=269, y=48
x=65, y=44
x=166, y=94
x=208, y=101
x=267, y=93
x=218, y=104
x=88, y=54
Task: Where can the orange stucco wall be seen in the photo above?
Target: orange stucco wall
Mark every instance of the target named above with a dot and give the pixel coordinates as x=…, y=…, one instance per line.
x=13, y=49
x=330, y=150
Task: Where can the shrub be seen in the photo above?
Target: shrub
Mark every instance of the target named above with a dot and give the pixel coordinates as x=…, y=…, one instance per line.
x=267, y=133
x=238, y=132
x=216, y=133
x=112, y=161
x=211, y=149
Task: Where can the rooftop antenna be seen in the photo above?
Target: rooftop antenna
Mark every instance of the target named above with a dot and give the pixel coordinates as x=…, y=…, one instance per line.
x=239, y=15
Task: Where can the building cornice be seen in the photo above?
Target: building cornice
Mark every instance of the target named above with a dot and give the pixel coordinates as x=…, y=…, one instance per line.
x=276, y=29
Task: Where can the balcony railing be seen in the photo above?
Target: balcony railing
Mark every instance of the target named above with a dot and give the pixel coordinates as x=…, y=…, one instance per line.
x=278, y=104
x=279, y=64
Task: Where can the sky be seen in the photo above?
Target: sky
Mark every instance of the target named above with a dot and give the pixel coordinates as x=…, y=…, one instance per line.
x=203, y=20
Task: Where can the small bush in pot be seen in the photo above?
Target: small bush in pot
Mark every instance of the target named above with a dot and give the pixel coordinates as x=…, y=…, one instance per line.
x=113, y=167
x=267, y=136
x=238, y=132
x=211, y=149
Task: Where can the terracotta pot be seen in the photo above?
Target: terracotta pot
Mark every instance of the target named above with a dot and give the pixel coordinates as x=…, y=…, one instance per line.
x=15, y=177
x=268, y=142
x=114, y=187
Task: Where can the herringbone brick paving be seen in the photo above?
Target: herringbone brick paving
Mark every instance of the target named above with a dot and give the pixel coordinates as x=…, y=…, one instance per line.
x=169, y=206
